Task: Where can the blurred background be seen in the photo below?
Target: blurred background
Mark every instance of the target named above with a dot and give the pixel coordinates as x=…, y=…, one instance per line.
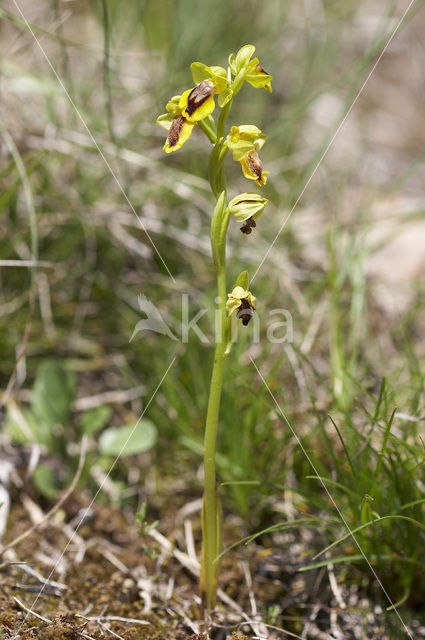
x=94, y=215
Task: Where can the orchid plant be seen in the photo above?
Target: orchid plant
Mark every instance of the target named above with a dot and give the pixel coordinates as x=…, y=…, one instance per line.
x=195, y=106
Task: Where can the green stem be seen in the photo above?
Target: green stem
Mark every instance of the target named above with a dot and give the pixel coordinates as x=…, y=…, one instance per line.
x=211, y=524
x=107, y=71
x=211, y=512
x=222, y=119
x=208, y=130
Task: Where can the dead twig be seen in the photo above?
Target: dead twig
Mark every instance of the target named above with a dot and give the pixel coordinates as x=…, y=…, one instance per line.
x=57, y=506
x=30, y=611
x=108, y=397
x=100, y=620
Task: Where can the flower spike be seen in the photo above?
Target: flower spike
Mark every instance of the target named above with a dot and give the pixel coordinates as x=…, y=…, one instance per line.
x=195, y=106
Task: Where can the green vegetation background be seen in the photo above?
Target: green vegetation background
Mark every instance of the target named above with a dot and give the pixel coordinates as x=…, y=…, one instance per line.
x=82, y=160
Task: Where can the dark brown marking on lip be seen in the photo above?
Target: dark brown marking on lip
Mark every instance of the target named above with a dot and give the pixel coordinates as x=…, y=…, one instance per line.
x=261, y=69
x=245, y=312
x=175, y=130
x=248, y=225
x=254, y=164
x=199, y=95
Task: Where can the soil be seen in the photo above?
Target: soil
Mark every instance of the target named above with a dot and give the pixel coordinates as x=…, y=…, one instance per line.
x=100, y=577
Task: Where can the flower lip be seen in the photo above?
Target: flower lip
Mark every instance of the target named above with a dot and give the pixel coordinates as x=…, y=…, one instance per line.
x=179, y=130
x=254, y=163
x=248, y=226
x=245, y=311
x=175, y=130
x=252, y=167
x=261, y=69
x=199, y=95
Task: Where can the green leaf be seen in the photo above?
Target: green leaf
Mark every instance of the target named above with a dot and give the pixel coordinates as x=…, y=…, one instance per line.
x=44, y=479
x=53, y=393
x=128, y=439
x=95, y=419
x=219, y=224
x=21, y=425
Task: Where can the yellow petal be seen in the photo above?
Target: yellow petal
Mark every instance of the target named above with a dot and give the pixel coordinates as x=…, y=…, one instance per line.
x=178, y=133
x=236, y=298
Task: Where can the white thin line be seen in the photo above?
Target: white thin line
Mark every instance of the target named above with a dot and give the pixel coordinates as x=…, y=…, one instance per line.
x=333, y=137
x=331, y=498
x=74, y=106
x=95, y=496
x=26, y=263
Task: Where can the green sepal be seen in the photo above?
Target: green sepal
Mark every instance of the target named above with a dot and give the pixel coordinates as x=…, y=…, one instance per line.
x=165, y=120
x=219, y=224
x=240, y=149
x=247, y=205
x=243, y=280
x=217, y=75
x=225, y=97
x=242, y=58
x=199, y=72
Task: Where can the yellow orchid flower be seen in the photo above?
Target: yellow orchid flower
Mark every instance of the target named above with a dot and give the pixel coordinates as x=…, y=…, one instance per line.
x=254, y=72
x=243, y=302
x=184, y=112
x=246, y=208
x=244, y=142
x=243, y=139
x=179, y=129
x=257, y=76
